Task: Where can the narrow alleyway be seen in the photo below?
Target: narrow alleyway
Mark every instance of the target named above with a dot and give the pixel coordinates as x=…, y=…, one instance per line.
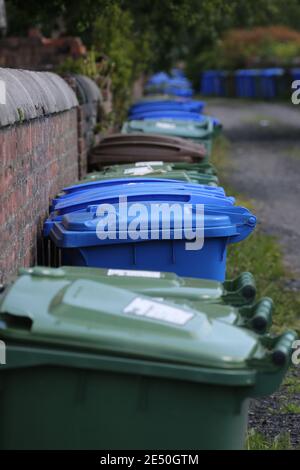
x=265, y=153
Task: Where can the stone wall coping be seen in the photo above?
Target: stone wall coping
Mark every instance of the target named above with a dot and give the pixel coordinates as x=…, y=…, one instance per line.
x=30, y=95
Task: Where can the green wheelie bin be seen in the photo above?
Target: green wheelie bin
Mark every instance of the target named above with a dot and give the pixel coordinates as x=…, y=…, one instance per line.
x=238, y=295
x=239, y=292
x=198, y=168
x=94, y=366
x=201, y=132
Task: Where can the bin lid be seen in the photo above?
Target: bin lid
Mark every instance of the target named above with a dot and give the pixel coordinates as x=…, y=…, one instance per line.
x=139, y=190
x=187, y=129
x=160, y=97
x=91, y=315
x=158, y=164
x=158, y=78
x=238, y=291
x=272, y=72
x=139, y=148
x=177, y=73
x=248, y=72
x=86, y=228
x=201, y=167
x=171, y=104
x=135, y=138
x=138, y=171
x=237, y=294
x=154, y=172
x=153, y=168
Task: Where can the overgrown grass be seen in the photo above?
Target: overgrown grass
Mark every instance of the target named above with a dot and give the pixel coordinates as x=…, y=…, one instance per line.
x=292, y=385
x=293, y=408
x=257, y=441
x=260, y=254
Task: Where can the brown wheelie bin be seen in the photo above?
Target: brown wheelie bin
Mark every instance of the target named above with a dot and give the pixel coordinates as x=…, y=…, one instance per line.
x=131, y=148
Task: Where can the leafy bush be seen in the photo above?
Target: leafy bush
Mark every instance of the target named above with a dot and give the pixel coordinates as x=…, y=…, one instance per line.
x=261, y=46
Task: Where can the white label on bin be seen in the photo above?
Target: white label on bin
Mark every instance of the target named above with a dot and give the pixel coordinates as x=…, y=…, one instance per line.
x=143, y=170
x=158, y=311
x=165, y=125
x=132, y=273
x=149, y=163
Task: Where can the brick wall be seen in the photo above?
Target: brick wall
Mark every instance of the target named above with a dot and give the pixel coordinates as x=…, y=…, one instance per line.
x=89, y=115
x=38, y=156
x=39, y=53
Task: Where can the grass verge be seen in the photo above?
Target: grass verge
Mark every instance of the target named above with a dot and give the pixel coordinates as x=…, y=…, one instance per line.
x=261, y=255
x=257, y=441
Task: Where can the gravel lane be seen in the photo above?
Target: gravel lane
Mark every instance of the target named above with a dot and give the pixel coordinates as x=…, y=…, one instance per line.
x=265, y=142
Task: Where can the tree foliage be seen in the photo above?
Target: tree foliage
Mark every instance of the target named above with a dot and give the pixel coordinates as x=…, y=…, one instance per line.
x=150, y=33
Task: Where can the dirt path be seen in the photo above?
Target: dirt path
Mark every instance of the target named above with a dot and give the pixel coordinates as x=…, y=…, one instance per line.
x=265, y=140
x=265, y=146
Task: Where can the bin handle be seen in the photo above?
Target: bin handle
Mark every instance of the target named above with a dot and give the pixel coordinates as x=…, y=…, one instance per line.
x=244, y=229
x=262, y=317
x=245, y=283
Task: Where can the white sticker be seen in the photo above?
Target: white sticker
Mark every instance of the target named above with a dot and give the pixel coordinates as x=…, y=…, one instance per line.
x=165, y=125
x=158, y=311
x=2, y=92
x=132, y=273
x=143, y=170
x=158, y=163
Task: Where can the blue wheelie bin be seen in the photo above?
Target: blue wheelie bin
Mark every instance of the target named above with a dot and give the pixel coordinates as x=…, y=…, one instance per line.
x=179, y=87
x=247, y=83
x=213, y=83
x=295, y=73
x=157, y=83
x=79, y=197
x=167, y=114
x=161, y=242
x=270, y=83
x=173, y=115
x=167, y=105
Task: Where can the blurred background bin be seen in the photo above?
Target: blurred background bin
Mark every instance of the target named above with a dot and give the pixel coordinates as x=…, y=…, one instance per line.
x=167, y=105
x=229, y=84
x=248, y=83
x=179, y=87
x=213, y=83
x=201, y=132
x=271, y=83
x=157, y=83
x=167, y=114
